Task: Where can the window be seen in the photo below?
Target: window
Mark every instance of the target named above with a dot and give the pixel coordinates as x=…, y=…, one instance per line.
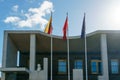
x=96, y=67
x=78, y=64
x=62, y=66
x=114, y=66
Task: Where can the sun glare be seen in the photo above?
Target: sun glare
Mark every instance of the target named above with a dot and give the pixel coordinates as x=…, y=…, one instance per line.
x=113, y=17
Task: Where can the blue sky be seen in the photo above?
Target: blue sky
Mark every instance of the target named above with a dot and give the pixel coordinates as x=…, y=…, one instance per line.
x=34, y=14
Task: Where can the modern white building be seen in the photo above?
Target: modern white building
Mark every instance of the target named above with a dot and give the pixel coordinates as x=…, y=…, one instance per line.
x=27, y=55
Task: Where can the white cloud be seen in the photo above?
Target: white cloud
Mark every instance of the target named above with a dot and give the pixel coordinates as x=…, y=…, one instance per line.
x=34, y=16
x=12, y=19
x=15, y=8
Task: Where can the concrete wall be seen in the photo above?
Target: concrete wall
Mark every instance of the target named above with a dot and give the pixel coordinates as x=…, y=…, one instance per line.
x=77, y=74
x=42, y=74
x=9, y=52
x=11, y=60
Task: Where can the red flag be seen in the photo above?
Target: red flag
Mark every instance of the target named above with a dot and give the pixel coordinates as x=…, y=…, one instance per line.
x=65, y=28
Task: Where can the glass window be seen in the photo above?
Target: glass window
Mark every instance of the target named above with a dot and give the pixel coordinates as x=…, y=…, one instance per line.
x=78, y=64
x=96, y=66
x=62, y=66
x=114, y=66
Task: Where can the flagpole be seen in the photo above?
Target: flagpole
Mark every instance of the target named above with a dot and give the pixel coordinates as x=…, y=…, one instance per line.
x=86, y=58
x=68, y=57
x=83, y=35
x=48, y=30
x=86, y=68
x=51, y=56
x=51, y=53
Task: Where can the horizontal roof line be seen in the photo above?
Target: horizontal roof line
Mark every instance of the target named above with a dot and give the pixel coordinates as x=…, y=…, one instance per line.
x=60, y=37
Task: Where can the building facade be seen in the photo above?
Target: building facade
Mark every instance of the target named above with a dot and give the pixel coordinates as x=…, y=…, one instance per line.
x=27, y=56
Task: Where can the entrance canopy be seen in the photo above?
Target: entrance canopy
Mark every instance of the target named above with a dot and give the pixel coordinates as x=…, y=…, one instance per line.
x=21, y=39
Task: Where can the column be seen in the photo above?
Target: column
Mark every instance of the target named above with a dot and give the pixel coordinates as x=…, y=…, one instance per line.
x=45, y=62
x=9, y=58
x=104, y=55
x=32, y=52
x=4, y=54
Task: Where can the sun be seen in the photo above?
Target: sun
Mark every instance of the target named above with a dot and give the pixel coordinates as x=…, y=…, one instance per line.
x=113, y=17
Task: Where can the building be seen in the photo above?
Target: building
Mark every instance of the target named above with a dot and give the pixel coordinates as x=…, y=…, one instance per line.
x=27, y=55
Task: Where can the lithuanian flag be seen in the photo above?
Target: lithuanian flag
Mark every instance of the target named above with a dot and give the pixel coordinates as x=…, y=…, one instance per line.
x=48, y=28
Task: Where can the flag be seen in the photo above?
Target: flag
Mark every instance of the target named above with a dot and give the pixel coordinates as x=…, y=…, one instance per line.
x=83, y=28
x=48, y=28
x=65, y=28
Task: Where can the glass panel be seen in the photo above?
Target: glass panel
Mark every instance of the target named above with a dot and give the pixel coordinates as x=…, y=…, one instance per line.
x=94, y=67
x=78, y=64
x=114, y=66
x=62, y=66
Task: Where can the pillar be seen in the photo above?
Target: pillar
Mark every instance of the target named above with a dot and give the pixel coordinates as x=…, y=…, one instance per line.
x=9, y=58
x=32, y=52
x=4, y=54
x=104, y=55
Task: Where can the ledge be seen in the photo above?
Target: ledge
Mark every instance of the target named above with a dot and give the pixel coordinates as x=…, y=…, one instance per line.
x=14, y=70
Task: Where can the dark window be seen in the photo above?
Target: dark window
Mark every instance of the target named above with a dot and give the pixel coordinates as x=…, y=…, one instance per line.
x=78, y=64
x=100, y=67
x=62, y=66
x=114, y=66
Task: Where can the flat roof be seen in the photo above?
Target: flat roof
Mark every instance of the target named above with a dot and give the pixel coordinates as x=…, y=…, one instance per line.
x=60, y=37
x=21, y=39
